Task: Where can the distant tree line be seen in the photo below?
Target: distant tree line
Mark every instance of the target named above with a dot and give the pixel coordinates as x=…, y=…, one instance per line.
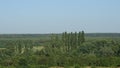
x=102, y=34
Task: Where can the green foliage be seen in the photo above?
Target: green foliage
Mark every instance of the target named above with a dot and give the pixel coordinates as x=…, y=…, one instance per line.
x=22, y=62
x=42, y=66
x=77, y=66
x=63, y=50
x=93, y=67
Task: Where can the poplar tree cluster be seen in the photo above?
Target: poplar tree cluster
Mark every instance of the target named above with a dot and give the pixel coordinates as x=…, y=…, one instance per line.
x=72, y=40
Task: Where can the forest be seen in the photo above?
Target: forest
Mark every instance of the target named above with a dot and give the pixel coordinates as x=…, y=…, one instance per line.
x=65, y=50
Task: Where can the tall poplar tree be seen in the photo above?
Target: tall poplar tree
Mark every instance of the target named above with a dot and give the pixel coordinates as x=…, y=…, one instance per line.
x=79, y=38
x=82, y=37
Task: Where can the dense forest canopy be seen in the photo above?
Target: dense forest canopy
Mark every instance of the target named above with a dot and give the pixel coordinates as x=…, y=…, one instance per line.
x=75, y=49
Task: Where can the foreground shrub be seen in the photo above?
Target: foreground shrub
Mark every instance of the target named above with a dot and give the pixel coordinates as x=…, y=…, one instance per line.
x=38, y=66
x=77, y=66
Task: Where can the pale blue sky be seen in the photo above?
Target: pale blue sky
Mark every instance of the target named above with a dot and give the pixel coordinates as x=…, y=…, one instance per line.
x=56, y=16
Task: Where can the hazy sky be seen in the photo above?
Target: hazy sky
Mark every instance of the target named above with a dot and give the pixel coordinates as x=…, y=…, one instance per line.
x=56, y=16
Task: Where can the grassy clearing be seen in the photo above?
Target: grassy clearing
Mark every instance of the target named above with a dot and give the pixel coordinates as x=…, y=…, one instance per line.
x=38, y=48
x=56, y=67
x=1, y=49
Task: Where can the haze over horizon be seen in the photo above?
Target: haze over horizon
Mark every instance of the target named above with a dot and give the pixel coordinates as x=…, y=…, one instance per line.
x=56, y=16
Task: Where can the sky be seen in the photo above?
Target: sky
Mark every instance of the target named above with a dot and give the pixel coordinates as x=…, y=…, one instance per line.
x=57, y=16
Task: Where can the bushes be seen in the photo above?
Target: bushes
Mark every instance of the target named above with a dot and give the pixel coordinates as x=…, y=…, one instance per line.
x=107, y=61
x=43, y=66
x=76, y=66
x=93, y=66
x=38, y=66
x=22, y=63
